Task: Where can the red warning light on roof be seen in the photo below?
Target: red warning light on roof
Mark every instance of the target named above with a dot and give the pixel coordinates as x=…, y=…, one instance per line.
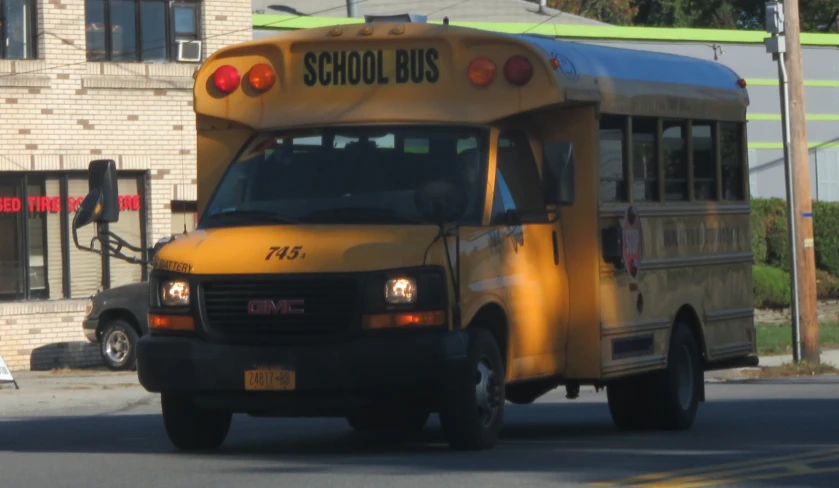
x=226, y=79
x=742, y=83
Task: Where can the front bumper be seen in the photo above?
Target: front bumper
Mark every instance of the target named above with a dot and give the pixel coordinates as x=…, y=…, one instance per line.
x=89, y=327
x=331, y=379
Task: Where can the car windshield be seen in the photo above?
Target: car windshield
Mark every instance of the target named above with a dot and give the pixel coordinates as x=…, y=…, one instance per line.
x=348, y=175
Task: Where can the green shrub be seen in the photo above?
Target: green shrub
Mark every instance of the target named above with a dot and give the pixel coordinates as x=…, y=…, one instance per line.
x=771, y=287
x=827, y=285
x=758, y=225
x=826, y=236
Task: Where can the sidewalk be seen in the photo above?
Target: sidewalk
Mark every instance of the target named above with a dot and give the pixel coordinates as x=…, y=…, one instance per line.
x=78, y=392
x=828, y=357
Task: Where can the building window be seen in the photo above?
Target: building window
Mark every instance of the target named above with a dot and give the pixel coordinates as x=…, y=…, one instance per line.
x=139, y=30
x=37, y=253
x=19, y=29
x=185, y=216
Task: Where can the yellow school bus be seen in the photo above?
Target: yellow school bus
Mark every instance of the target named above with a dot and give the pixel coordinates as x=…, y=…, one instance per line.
x=401, y=218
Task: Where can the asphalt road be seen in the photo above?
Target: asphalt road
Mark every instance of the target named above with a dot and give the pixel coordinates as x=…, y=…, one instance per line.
x=779, y=433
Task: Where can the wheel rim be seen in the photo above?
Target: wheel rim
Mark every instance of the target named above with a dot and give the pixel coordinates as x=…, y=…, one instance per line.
x=686, y=378
x=116, y=347
x=487, y=392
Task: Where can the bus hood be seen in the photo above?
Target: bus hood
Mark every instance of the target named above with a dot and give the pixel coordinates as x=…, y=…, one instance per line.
x=296, y=249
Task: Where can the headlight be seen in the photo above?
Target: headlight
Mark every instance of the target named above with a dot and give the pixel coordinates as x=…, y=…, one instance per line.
x=175, y=293
x=89, y=307
x=401, y=291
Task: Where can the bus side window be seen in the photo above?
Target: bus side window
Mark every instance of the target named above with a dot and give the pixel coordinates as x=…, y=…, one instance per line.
x=517, y=183
x=613, y=184
x=731, y=143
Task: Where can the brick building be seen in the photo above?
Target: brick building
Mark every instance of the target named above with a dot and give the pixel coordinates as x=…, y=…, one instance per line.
x=82, y=80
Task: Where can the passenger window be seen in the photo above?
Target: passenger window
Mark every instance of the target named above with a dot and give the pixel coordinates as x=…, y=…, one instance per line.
x=612, y=169
x=674, y=151
x=731, y=145
x=704, y=161
x=517, y=183
x=644, y=159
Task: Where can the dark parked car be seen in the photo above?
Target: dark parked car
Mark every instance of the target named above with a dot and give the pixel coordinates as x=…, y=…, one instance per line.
x=115, y=319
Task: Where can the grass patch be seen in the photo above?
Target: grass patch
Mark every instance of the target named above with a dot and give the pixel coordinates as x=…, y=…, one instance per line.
x=788, y=370
x=777, y=339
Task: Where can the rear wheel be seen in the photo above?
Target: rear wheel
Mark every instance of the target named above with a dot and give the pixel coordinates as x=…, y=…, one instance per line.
x=666, y=399
x=191, y=428
x=472, y=414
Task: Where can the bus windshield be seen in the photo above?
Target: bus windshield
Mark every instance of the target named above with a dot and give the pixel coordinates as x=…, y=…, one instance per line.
x=348, y=175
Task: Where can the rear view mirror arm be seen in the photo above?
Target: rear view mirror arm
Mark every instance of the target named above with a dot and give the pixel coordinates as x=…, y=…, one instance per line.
x=112, y=244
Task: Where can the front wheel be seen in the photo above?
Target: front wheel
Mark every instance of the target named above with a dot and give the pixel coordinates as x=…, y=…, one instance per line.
x=191, y=428
x=118, y=345
x=472, y=413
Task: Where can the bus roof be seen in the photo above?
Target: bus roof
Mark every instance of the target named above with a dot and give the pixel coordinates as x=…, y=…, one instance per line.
x=417, y=72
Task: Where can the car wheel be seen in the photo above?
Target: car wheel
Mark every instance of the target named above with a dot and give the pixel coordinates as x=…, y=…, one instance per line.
x=118, y=345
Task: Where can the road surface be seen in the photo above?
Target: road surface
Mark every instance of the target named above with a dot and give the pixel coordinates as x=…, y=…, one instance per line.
x=105, y=431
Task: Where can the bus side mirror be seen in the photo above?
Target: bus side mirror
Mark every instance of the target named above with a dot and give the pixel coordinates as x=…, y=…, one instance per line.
x=102, y=201
x=558, y=179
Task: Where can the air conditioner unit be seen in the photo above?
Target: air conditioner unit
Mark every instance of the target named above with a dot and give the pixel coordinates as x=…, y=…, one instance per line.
x=189, y=51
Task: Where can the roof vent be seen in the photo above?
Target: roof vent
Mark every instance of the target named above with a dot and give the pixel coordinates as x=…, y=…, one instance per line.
x=396, y=18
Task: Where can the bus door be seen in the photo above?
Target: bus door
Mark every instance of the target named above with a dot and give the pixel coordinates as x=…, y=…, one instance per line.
x=531, y=261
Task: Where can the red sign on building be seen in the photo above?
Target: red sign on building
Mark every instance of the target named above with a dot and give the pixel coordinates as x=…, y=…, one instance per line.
x=53, y=204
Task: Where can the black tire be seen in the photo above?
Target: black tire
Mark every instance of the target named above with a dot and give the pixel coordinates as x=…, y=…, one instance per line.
x=681, y=382
x=467, y=427
x=191, y=428
x=118, y=346
x=666, y=399
x=629, y=403
x=389, y=421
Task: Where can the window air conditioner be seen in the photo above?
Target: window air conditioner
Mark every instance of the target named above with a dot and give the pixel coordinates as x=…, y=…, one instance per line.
x=189, y=51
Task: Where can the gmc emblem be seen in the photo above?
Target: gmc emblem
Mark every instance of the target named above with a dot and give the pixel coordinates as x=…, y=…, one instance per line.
x=275, y=307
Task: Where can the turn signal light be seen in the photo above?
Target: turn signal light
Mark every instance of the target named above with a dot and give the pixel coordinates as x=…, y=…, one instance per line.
x=481, y=72
x=409, y=319
x=171, y=322
x=226, y=79
x=518, y=70
x=261, y=77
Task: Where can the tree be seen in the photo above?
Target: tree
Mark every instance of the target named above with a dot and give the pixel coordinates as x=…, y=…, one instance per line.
x=816, y=15
x=617, y=12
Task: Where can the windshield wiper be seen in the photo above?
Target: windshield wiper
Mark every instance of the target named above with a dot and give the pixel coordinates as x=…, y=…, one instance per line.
x=358, y=214
x=264, y=215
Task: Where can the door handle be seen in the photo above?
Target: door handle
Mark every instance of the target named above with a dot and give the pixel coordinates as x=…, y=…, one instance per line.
x=556, y=248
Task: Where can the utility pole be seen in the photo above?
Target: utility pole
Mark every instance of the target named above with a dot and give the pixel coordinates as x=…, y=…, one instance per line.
x=352, y=8
x=778, y=47
x=805, y=255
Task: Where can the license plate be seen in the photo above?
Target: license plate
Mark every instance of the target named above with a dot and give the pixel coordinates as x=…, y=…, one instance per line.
x=269, y=379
